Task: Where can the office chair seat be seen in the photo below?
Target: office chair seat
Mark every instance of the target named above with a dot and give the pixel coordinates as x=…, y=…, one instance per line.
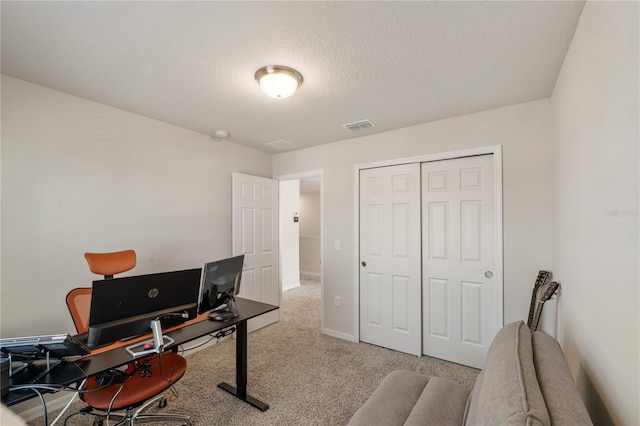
x=139, y=386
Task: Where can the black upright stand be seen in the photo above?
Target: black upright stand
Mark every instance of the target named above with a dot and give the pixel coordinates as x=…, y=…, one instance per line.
x=51, y=361
x=240, y=391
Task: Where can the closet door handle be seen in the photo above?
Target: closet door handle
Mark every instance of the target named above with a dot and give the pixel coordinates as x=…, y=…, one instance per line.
x=364, y=264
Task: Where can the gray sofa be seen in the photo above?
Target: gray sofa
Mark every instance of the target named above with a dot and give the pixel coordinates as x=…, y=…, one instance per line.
x=526, y=381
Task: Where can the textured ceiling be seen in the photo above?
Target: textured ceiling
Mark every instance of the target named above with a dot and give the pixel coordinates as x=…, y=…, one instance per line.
x=192, y=63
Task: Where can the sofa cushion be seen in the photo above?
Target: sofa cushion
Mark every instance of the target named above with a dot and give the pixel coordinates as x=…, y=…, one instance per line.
x=392, y=402
x=556, y=383
x=441, y=403
x=508, y=391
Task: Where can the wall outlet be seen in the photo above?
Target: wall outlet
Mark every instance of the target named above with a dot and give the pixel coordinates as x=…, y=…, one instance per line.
x=336, y=301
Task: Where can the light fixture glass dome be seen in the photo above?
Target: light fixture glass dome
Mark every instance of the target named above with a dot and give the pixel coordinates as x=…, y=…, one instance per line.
x=278, y=81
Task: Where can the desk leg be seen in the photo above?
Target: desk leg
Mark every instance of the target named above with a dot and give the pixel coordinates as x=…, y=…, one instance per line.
x=240, y=391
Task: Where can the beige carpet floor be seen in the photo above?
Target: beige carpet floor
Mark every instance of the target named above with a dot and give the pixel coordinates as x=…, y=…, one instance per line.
x=306, y=377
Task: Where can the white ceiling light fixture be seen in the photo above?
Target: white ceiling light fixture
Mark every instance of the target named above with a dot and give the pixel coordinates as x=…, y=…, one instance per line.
x=278, y=81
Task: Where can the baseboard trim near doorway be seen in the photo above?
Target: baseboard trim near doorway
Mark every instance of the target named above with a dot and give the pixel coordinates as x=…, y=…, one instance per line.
x=339, y=335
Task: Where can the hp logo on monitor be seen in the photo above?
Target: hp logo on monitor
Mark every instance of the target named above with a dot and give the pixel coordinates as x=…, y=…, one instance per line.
x=154, y=292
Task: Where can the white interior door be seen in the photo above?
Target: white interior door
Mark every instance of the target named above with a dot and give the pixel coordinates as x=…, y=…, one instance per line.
x=255, y=234
x=390, y=257
x=460, y=300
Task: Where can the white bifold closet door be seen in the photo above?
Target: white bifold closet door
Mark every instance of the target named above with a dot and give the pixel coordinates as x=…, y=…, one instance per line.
x=458, y=253
x=428, y=257
x=390, y=257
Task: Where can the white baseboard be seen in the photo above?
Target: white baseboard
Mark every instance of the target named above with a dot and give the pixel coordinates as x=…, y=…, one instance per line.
x=339, y=335
x=314, y=274
x=200, y=344
x=263, y=320
x=289, y=287
x=32, y=409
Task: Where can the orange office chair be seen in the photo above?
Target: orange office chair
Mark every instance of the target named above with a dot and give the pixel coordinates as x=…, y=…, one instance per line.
x=79, y=304
x=143, y=382
x=109, y=264
x=137, y=388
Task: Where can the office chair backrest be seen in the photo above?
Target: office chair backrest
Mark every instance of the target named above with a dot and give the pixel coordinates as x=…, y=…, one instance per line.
x=79, y=304
x=109, y=264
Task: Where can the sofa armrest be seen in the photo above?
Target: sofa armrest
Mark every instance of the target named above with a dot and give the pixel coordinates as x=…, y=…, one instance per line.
x=556, y=383
x=507, y=391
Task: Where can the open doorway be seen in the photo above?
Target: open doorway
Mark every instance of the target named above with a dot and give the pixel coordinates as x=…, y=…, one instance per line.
x=310, y=228
x=301, y=227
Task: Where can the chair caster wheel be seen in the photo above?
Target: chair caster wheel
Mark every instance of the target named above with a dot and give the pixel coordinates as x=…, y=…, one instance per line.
x=162, y=403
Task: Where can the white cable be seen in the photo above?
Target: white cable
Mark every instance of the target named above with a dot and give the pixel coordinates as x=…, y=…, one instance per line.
x=44, y=404
x=200, y=344
x=49, y=388
x=73, y=397
x=112, y=401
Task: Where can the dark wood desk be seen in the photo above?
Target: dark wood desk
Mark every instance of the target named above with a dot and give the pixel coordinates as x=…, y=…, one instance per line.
x=116, y=355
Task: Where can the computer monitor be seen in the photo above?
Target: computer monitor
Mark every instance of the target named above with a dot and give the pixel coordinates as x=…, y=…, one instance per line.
x=124, y=307
x=220, y=285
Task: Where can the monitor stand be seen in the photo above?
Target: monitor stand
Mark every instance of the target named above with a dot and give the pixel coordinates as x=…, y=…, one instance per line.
x=229, y=312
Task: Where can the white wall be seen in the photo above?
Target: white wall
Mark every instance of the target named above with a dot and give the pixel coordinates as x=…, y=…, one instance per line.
x=310, y=217
x=79, y=176
x=525, y=133
x=596, y=257
x=289, y=205
x=310, y=213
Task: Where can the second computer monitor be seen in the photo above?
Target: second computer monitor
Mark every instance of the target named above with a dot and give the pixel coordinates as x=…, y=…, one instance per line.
x=220, y=285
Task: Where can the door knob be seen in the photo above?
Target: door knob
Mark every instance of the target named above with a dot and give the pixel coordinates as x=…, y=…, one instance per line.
x=488, y=274
x=364, y=263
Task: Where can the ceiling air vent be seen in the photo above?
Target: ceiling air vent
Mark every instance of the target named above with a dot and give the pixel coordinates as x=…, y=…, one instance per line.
x=358, y=125
x=280, y=145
